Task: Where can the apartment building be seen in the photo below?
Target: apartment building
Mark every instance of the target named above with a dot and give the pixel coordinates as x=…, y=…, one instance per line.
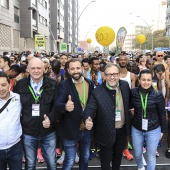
x=22, y=20
x=168, y=19
x=9, y=25
x=137, y=29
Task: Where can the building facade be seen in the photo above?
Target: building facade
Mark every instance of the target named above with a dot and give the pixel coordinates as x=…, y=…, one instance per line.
x=168, y=19
x=137, y=29
x=22, y=20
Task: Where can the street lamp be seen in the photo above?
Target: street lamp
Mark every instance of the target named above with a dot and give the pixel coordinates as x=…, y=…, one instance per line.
x=78, y=18
x=31, y=8
x=149, y=29
x=88, y=32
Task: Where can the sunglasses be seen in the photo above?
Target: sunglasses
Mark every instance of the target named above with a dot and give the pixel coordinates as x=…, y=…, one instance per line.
x=160, y=55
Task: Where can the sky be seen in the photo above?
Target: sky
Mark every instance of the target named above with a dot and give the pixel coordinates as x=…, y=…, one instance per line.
x=116, y=14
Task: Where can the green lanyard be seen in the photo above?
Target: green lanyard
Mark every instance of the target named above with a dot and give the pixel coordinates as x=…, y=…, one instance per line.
x=117, y=100
x=33, y=94
x=117, y=97
x=83, y=100
x=144, y=105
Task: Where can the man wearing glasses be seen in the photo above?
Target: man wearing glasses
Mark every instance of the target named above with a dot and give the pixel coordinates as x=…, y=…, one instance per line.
x=165, y=75
x=110, y=101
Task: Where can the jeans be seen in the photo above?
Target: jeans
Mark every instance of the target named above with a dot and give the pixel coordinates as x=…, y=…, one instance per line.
x=48, y=146
x=115, y=152
x=11, y=156
x=152, y=138
x=84, y=141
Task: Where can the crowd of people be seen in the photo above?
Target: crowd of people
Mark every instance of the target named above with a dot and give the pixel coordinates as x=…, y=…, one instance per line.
x=65, y=109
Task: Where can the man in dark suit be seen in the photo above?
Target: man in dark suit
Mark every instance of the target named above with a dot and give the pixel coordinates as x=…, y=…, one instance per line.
x=73, y=94
x=110, y=102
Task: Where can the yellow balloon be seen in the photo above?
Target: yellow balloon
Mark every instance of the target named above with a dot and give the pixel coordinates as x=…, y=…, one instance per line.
x=105, y=35
x=89, y=40
x=141, y=38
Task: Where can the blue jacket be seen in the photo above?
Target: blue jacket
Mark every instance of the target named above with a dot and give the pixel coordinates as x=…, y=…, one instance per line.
x=155, y=111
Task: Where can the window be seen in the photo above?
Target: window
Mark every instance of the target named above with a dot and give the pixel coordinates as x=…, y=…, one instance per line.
x=34, y=2
x=40, y=19
x=16, y=14
x=5, y=3
x=45, y=4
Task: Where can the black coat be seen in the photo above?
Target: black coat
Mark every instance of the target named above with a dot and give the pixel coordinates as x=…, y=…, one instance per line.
x=32, y=125
x=102, y=102
x=155, y=111
x=69, y=122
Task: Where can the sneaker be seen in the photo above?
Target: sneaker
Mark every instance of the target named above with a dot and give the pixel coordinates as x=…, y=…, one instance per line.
x=159, y=144
x=168, y=152
x=76, y=159
x=58, y=152
x=98, y=153
x=144, y=149
x=92, y=154
x=61, y=159
x=157, y=154
x=141, y=168
x=129, y=146
x=127, y=154
x=39, y=156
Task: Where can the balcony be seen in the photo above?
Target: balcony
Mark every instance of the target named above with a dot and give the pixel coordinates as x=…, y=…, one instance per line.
x=34, y=22
x=168, y=23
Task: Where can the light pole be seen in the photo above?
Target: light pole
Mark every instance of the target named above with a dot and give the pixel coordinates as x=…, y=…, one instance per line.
x=54, y=42
x=149, y=29
x=88, y=33
x=78, y=18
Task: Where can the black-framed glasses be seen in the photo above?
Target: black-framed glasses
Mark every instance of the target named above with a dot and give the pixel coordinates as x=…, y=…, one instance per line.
x=160, y=55
x=112, y=74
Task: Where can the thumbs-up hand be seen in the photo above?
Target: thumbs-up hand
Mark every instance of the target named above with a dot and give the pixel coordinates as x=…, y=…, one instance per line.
x=46, y=122
x=89, y=123
x=69, y=105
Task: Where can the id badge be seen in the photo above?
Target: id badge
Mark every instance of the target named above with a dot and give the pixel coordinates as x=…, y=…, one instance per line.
x=35, y=110
x=144, y=124
x=118, y=115
x=154, y=84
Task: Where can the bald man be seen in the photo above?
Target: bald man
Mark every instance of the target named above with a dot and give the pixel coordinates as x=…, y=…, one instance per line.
x=30, y=56
x=38, y=94
x=164, y=76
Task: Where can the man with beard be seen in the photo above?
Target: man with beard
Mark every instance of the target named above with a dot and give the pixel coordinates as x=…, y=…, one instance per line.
x=72, y=97
x=63, y=60
x=94, y=74
x=110, y=101
x=130, y=78
x=124, y=73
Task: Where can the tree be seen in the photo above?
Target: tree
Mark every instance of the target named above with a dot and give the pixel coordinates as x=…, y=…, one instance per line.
x=159, y=40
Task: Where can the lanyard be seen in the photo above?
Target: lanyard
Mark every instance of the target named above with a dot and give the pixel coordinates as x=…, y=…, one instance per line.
x=144, y=105
x=117, y=100
x=33, y=94
x=83, y=100
x=117, y=96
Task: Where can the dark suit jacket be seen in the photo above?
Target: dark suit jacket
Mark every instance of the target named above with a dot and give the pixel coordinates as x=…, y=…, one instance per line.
x=69, y=122
x=103, y=102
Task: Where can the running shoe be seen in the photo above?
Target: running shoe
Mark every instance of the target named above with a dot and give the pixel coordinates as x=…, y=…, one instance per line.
x=58, y=152
x=92, y=154
x=127, y=154
x=39, y=156
x=129, y=146
x=61, y=159
x=76, y=158
x=157, y=154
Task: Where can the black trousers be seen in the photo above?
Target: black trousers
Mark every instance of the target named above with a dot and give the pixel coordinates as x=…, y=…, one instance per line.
x=114, y=153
